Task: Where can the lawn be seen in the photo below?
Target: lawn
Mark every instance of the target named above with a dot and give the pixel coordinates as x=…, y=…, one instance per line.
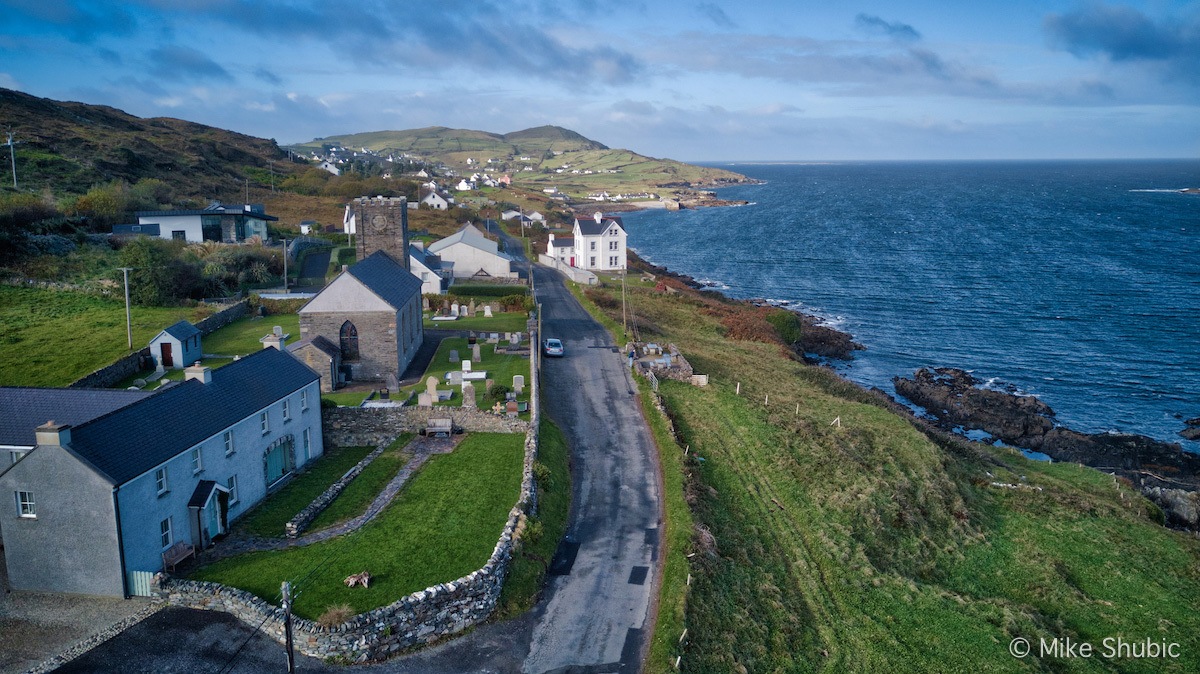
x=442, y=526
x=500, y=367
x=52, y=338
x=268, y=518
x=363, y=489
x=240, y=338
x=868, y=546
x=346, y=398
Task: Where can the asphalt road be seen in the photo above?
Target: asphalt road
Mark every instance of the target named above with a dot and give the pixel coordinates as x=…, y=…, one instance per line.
x=595, y=613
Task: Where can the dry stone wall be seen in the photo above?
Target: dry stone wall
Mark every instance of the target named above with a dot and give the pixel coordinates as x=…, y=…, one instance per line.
x=367, y=426
x=422, y=617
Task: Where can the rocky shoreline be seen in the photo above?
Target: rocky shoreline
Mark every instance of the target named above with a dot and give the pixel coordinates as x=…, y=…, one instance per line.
x=955, y=402
x=1162, y=471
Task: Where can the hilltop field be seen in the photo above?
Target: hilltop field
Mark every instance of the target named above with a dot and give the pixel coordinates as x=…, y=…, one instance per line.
x=834, y=534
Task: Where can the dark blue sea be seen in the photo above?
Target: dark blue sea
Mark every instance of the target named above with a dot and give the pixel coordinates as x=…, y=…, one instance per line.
x=1077, y=282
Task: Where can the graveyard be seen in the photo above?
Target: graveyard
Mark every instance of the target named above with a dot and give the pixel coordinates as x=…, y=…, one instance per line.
x=477, y=375
x=451, y=315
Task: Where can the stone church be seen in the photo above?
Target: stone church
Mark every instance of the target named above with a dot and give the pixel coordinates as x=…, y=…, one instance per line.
x=382, y=224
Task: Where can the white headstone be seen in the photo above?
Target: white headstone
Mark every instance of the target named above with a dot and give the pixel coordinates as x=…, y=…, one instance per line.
x=454, y=309
x=518, y=383
x=466, y=365
x=487, y=311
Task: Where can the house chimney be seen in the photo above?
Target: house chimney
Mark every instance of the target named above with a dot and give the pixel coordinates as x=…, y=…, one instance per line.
x=598, y=216
x=275, y=340
x=419, y=245
x=198, y=372
x=52, y=434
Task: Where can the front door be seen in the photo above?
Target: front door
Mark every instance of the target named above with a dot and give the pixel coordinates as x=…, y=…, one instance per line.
x=167, y=359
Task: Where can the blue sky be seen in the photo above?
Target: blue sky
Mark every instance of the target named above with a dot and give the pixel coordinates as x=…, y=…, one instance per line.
x=710, y=80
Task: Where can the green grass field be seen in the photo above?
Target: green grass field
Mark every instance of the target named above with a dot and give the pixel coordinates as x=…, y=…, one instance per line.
x=52, y=338
x=504, y=321
x=363, y=489
x=268, y=518
x=442, y=526
x=500, y=367
x=867, y=546
x=240, y=338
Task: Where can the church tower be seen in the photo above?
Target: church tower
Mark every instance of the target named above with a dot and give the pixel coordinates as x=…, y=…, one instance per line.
x=382, y=224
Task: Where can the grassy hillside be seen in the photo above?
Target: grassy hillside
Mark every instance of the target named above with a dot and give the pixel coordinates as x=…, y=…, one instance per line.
x=544, y=149
x=833, y=535
x=69, y=147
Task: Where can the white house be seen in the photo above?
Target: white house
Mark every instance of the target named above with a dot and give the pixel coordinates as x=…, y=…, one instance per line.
x=473, y=255
x=435, y=201
x=231, y=224
x=465, y=185
x=436, y=276
x=599, y=243
x=331, y=167
x=562, y=249
x=105, y=493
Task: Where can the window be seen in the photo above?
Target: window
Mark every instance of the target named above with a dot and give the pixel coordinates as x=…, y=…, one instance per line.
x=231, y=483
x=264, y=423
x=592, y=261
x=303, y=400
x=612, y=261
x=160, y=480
x=179, y=235
x=592, y=245
x=287, y=410
x=197, y=462
x=307, y=443
x=164, y=528
x=348, y=338
x=15, y=454
x=229, y=443
x=612, y=245
x=25, y=505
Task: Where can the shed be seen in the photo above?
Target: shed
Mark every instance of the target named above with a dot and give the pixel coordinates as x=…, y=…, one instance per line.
x=177, y=346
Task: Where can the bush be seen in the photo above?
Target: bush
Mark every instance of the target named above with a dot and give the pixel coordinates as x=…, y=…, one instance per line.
x=787, y=324
x=335, y=615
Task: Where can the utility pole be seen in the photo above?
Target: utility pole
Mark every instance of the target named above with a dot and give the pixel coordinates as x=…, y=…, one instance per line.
x=285, y=256
x=271, y=162
x=287, y=625
x=12, y=150
x=624, y=320
x=128, y=323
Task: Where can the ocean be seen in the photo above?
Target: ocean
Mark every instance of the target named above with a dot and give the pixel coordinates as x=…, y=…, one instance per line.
x=1077, y=282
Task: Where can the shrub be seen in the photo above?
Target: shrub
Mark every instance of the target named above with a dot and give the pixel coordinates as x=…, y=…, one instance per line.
x=335, y=615
x=787, y=324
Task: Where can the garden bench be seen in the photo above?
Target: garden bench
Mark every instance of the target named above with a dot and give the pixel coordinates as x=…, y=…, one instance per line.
x=175, y=554
x=439, y=427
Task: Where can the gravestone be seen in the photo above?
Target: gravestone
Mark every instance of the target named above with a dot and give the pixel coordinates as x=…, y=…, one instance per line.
x=424, y=304
x=393, y=384
x=454, y=309
x=431, y=385
x=456, y=378
x=471, y=311
x=493, y=338
x=466, y=365
x=519, y=383
x=445, y=310
x=425, y=400
x=454, y=356
x=514, y=338
x=510, y=408
x=488, y=384
x=487, y=311
x=468, y=394
x=475, y=355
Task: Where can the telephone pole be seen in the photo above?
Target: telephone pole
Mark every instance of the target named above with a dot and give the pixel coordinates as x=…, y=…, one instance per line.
x=287, y=625
x=12, y=151
x=128, y=324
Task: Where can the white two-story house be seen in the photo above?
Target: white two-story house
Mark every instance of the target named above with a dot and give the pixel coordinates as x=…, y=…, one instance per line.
x=599, y=243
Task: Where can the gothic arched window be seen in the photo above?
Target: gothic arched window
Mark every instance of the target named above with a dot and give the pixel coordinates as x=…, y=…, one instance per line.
x=349, y=341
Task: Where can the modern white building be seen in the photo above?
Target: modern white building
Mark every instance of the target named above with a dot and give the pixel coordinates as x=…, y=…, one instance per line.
x=473, y=255
x=598, y=243
x=231, y=224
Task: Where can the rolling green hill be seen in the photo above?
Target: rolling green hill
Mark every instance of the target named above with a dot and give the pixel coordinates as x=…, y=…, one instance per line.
x=537, y=158
x=70, y=147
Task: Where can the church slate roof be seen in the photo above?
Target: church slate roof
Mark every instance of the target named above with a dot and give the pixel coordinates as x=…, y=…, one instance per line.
x=134, y=439
x=319, y=343
x=388, y=279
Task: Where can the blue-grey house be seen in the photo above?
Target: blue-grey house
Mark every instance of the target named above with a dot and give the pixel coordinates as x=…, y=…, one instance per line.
x=95, y=507
x=177, y=346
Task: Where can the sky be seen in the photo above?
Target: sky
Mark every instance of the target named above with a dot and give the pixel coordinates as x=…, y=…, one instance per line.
x=752, y=80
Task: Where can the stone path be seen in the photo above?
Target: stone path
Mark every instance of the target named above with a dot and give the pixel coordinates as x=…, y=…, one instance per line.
x=421, y=447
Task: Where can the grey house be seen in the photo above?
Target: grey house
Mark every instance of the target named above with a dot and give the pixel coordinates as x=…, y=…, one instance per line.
x=177, y=346
x=372, y=312
x=94, y=505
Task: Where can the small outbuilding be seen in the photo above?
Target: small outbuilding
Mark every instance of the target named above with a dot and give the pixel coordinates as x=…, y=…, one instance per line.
x=177, y=346
x=321, y=356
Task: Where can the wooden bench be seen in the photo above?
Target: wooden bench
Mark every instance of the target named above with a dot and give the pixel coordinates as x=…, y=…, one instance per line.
x=439, y=427
x=175, y=554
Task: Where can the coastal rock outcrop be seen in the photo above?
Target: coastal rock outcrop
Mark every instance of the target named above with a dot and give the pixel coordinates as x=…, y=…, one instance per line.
x=825, y=341
x=1161, y=470
x=1192, y=432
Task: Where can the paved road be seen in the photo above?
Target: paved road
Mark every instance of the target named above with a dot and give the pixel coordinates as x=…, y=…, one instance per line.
x=594, y=615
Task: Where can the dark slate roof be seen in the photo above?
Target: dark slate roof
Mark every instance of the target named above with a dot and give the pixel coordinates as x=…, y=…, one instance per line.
x=135, y=439
x=387, y=278
x=182, y=330
x=24, y=409
x=433, y=262
x=590, y=227
x=200, y=496
x=215, y=209
x=127, y=230
x=564, y=243
x=319, y=343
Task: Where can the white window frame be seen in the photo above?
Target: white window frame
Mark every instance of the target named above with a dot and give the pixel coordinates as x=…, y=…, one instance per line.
x=166, y=533
x=287, y=410
x=304, y=400
x=16, y=455
x=26, y=505
x=593, y=245
x=264, y=422
x=231, y=485
x=229, y=443
x=197, y=461
x=161, y=480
